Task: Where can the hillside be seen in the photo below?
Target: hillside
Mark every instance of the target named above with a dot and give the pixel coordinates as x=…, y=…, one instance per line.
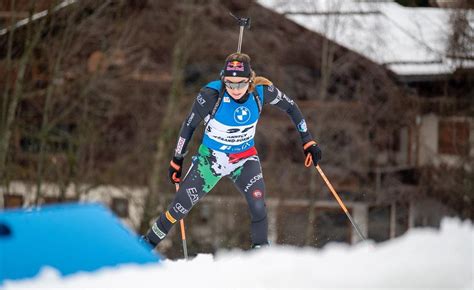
x=117, y=71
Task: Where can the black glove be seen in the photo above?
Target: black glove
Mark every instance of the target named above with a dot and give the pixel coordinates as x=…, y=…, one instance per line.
x=312, y=149
x=175, y=170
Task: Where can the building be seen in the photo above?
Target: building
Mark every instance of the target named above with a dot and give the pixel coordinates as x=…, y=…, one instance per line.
x=416, y=45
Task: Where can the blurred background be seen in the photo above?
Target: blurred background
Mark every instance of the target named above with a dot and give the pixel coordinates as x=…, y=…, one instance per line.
x=93, y=94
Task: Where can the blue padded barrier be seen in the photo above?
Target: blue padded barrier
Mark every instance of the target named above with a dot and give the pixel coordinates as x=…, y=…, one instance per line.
x=69, y=237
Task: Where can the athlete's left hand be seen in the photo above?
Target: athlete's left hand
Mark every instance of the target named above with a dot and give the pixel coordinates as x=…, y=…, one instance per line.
x=312, y=153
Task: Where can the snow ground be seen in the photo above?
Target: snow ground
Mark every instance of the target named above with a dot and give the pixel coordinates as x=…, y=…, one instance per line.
x=423, y=258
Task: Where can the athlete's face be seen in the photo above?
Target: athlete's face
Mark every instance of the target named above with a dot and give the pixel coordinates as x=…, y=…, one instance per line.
x=236, y=86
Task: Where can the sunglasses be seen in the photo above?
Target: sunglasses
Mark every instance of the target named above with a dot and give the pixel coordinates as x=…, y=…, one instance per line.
x=236, y=86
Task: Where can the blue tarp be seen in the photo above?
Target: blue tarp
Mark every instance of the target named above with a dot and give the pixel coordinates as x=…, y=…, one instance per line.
x=68, y=237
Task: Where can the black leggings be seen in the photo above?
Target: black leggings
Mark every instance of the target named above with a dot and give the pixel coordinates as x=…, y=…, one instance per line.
x=207, y=169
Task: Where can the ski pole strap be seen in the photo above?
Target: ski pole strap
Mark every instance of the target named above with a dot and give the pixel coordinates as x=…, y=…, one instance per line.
x=177, y=168
x=175, y=178
x=309, y=158
x=309, y=144
x=174, y=165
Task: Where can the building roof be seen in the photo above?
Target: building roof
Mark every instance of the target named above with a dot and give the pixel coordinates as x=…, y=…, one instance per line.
x=411, y=42
x=36, y=16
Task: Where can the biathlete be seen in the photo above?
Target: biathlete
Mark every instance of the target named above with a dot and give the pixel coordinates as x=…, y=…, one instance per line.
x=230, y=108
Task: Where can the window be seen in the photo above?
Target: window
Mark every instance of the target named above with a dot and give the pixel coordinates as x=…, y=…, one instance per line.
x=120, y=207
x=13, y=200
x=453, y=137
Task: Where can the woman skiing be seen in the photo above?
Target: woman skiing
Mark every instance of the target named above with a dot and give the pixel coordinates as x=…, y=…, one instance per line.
x=230, y=108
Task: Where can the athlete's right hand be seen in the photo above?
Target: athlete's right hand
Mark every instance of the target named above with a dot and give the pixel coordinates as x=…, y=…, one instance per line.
x=175, y=170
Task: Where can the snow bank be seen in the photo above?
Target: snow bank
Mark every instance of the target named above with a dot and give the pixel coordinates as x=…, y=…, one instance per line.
x=422, y=258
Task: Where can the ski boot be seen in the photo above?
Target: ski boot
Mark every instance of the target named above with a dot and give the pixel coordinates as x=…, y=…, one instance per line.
x=144, y=240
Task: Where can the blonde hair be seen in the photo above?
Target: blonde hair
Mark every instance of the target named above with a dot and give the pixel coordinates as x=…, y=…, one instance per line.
x=254, y=79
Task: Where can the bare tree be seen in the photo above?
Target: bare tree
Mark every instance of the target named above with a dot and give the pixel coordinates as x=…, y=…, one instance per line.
x=332, y=25
x=11, y=97
x=68, y=130
x=155, y=201
x=55, y=63
x=461, y=38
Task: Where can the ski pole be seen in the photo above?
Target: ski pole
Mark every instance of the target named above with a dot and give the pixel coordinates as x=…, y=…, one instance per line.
x=243, y=23
x=340, y=202
x=183, y=232
x=308, y=163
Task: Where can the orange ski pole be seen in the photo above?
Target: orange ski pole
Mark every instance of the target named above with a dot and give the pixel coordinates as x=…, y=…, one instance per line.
x=183, y=232
x=308, y=163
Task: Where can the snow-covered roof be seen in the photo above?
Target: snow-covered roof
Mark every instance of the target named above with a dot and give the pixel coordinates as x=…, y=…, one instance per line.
x=37, y=16
x=408, y=41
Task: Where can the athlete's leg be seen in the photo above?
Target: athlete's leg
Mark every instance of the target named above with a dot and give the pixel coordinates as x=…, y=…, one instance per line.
x=249, y=180
x=199, y=180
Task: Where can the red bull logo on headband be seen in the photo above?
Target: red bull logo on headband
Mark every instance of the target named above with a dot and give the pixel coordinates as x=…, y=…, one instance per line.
x=235, y=65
